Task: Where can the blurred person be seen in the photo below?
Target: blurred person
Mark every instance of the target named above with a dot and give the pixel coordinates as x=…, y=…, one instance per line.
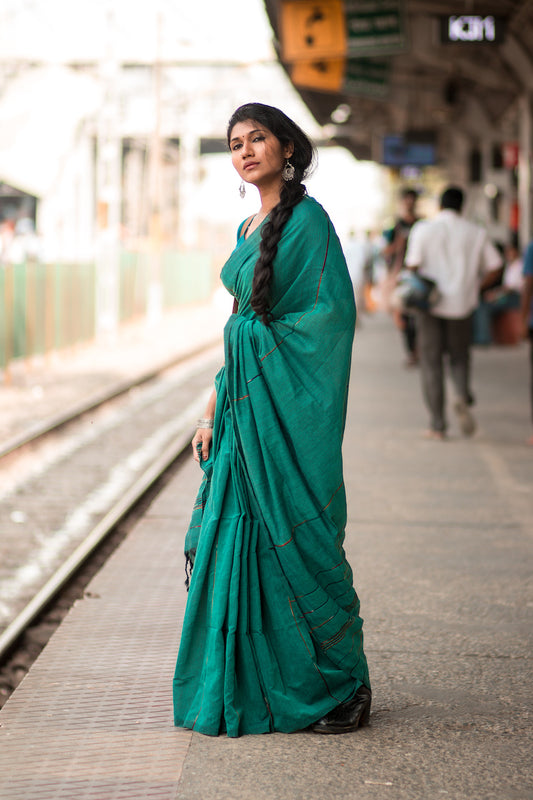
x=371, y=256
x=25, y=243
x=379, y=242
x=459, y=257
x=355, y=261
x=527, y=312
x=359, y=255
x=504, y=295
x=394, y=253
x=513, y=274
x=272, y=637
x=7, y=233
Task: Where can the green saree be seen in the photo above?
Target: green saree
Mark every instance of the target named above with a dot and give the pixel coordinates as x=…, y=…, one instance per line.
x=272, y=638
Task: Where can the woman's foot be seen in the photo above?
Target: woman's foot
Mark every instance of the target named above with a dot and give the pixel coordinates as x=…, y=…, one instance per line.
x=467, y=422
x=347, y=717
x=439, y=436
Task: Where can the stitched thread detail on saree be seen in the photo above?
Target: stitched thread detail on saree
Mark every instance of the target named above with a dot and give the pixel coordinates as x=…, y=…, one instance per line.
x=236, y=399
x=338, y=580
x=313, y=610
x=311, y=656
x=337, y=637
x=309, y=519
x=316, y=627
x=305, y=594
x=330, y=569
x=274, y=348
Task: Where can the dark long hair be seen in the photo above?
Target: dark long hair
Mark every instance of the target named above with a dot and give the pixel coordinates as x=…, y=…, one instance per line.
x=302, y=159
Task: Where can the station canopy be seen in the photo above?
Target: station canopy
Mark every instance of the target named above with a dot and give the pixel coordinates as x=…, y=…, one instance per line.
x=403, y=74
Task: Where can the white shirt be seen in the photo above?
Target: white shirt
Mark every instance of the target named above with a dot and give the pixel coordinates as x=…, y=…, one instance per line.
x=513, y=278
x=358, y=254
x=456, y=254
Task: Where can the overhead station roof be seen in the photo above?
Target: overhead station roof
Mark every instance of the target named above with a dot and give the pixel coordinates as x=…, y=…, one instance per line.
x=432, y=66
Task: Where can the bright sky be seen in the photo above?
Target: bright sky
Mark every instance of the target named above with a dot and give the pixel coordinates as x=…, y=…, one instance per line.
x=81, y=29
x=199, y=30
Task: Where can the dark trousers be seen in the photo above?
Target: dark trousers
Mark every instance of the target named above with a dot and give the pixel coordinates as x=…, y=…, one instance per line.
x=436, y=338
x=409, y=333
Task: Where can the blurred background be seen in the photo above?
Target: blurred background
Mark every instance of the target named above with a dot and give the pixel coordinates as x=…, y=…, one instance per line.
x=118, y=201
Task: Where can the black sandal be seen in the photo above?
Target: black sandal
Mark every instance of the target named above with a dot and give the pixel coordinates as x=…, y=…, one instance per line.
x=348, y=716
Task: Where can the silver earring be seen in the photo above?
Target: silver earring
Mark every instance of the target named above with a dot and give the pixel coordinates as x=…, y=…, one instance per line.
x=242, y=190
x=287, y=172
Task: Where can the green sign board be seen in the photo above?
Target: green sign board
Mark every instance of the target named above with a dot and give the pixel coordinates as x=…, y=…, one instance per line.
x=365, y=77
x=375, y=27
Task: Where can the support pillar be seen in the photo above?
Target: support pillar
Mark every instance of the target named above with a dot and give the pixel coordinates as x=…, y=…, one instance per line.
x=457, y=157
x=155, y=197
x=109, y=196
x=188, y=179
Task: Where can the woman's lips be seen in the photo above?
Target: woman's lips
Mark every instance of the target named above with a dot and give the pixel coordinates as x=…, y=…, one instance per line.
x=251, y=165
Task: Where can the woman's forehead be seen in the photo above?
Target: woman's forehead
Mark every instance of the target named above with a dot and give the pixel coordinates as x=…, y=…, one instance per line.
x=246, y=127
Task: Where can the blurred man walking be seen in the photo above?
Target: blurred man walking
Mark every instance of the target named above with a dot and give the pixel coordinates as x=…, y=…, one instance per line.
x=394, y=254
x=459, y=257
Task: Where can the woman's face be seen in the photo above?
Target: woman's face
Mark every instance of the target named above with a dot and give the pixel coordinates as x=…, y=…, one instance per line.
x=258, y=155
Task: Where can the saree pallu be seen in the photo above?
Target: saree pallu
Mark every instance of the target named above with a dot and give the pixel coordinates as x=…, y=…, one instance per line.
x=272, y=637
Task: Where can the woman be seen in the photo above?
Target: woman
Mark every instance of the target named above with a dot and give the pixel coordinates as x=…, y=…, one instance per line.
x=271, y=638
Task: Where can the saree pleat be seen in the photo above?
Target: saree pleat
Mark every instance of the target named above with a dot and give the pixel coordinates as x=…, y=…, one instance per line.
x=272, y=637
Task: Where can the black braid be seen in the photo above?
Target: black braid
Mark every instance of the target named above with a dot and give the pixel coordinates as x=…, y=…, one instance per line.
x=291, y=194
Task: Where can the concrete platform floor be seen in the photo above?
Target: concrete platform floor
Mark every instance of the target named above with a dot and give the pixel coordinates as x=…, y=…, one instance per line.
x=440, y=538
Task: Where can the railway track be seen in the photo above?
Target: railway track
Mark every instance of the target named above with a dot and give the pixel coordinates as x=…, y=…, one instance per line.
x=67, y=486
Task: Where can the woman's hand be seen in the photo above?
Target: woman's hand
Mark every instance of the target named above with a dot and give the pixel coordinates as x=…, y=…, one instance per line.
x=204, y=436
x=202, y=444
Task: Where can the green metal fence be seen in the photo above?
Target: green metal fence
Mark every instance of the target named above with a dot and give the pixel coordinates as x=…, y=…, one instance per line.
x=133, y=287
x=186, y=278
x=44, y=307
x=47, y=307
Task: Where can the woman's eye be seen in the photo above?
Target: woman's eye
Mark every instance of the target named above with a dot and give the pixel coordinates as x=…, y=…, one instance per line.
x=235, y=146
x=258, y=138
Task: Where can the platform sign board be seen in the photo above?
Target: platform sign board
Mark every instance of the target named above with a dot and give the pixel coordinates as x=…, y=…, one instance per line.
x=354, y=76
x=321, y=75
x=375, y=27
x=472, y=29
x=312, y=30
x=411, y=149
x=366, y=77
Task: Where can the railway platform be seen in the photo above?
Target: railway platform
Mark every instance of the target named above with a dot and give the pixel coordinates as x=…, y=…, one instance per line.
x=439, y=535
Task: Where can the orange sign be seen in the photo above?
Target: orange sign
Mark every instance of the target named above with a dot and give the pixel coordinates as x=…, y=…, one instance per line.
x=312, y=31
x=321, y=75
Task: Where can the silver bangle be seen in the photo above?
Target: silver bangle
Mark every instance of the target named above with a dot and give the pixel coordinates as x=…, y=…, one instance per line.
x=205, y=423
